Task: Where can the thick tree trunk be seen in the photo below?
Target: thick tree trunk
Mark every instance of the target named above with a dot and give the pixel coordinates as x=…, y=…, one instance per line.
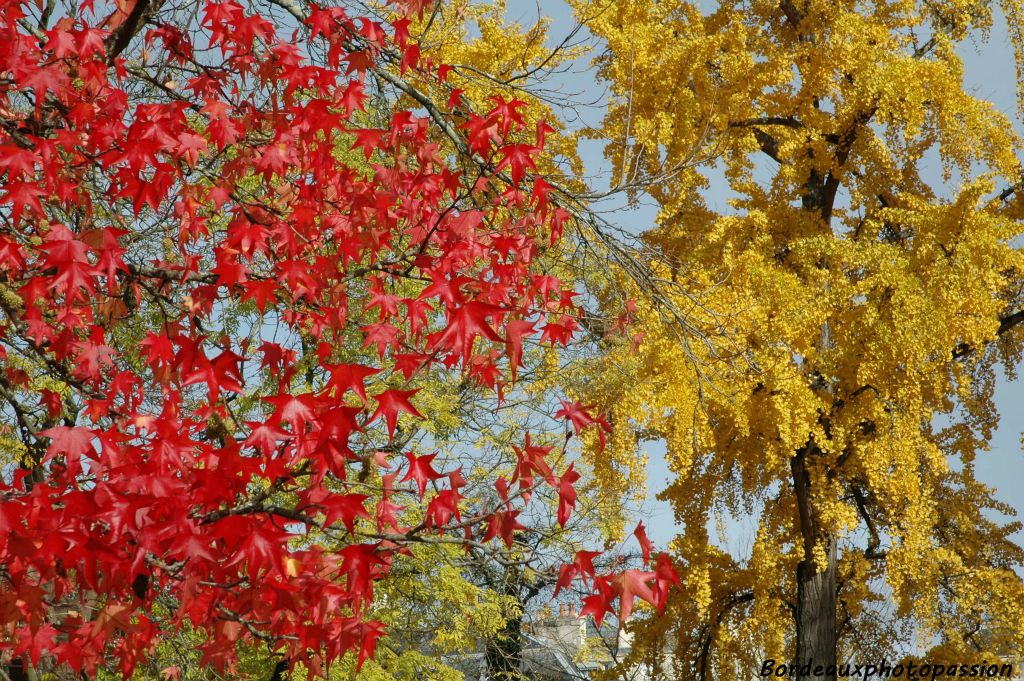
x=816, y=616
x=816, y=584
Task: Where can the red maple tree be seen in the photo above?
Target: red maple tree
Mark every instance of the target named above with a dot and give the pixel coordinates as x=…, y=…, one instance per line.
x=157, y=451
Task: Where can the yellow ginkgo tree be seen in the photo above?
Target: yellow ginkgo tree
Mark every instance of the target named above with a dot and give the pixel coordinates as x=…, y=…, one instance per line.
x=820, y=355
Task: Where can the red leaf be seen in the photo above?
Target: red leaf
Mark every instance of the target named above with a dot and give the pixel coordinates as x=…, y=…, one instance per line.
x=584, y=561
x=382, y=334
x=503, y=524
x=455, y=98
x=72, y=442
x=442, y=508
x=371, y=631
x=295, y=410
x=387, y=302
x=508, y=113
x=645, y=543
x=261, y=550
x=421, y=471
x=367, y=140
x=263, y=292
x=392, y=402
x=567, y=495
x=628, y=586
x=348, y=377
x=410, y=57
x=577, y=414
x=348, y=507
x=358, y=562
x=580, y=418
x=353, y=97
x=566, y=575
x=599, y=604
x=53, y=402
x=264, y=437
x=665, y=576
x=518, y=157
x=531, y=459
x=515, y=331
x=465, y=324
x=221, y=372
x=192, y=546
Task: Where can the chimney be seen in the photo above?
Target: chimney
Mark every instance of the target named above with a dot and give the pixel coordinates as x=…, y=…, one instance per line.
x=566, y=633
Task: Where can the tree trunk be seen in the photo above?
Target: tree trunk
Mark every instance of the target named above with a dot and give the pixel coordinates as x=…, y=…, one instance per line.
x=816, y=617
x=504, y=652
x=20, y=669
x=816, y=585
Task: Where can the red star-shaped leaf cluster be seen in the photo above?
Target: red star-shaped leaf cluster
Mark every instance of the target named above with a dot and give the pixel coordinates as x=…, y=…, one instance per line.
x=148, y=473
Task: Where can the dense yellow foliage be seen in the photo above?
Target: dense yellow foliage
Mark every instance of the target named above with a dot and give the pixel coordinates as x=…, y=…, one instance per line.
x=847, y=301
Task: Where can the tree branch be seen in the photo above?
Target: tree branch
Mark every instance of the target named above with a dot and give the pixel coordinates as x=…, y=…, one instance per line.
x=874, y=541
x=1006, y=323
x=121, y=36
